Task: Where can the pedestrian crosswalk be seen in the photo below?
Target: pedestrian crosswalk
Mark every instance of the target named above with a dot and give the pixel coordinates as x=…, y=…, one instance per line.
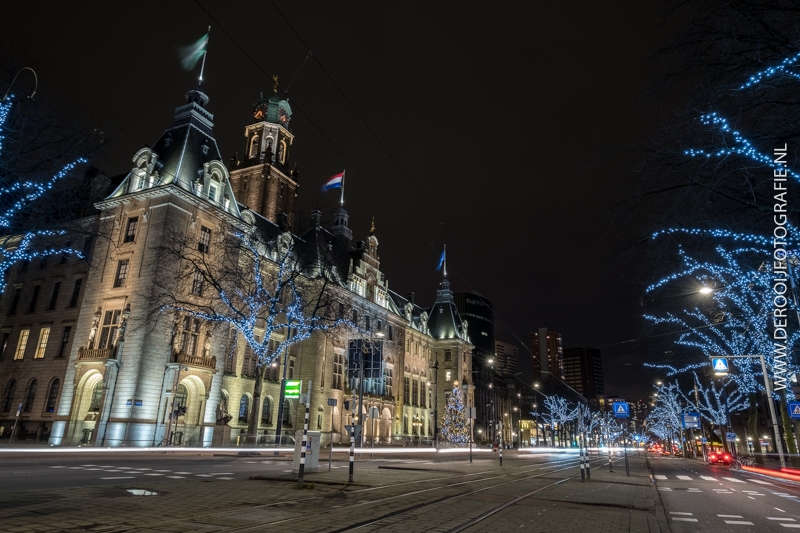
x=129, y=472
x=733, y=519
x=662, y=477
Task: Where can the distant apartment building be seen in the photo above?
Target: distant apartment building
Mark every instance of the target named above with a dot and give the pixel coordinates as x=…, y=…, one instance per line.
x=583, y=371
x=547, y=353
x=506, y=358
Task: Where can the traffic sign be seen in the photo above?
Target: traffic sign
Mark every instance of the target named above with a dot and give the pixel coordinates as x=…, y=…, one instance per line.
x=794, y=409
x=691, y=420
x=621, y=409
x=720, y=365
x=704, y=440
x=730, y=436
x=293, y=387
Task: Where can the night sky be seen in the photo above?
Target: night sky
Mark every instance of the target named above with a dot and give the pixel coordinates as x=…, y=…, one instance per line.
x=512, y=130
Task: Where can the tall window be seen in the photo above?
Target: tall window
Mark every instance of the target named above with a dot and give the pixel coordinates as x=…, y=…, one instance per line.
x=122, y=273
x=407, y=391
x=110, y=325
x=12, y=309
x=212, y=192
x=205, y=240
x=244, y=408
x=34, y=298
x=52, y=397
x=415, y=392
x=21, y=344
x=291, y=369
x=28, y=405
x=8, y=399
x=181, y=396
x=44, y=335
x=62, y=348
x=54, y=296
x=448, y=355
x=97, y=395
x=249, y=363
x=254, y=146
x=287, y=414
x=130, y=229
x=266, y=412
x=389, y=383
x=338, y=369
x=76, y=291
x=197, y=283
x=189, y=335
x=4, y=344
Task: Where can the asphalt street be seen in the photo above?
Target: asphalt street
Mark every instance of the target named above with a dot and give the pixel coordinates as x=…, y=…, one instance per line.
x=700, y=497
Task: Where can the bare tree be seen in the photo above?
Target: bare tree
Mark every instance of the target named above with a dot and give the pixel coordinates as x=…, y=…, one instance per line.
x=261, y=287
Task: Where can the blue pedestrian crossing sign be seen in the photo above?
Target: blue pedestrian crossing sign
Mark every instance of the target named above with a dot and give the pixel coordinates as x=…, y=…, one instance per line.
x=794, y=409
x=720, y=365
x=621, y=409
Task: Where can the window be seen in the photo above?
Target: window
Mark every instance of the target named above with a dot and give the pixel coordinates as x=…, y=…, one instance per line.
x=415, y=392
x=212, y=192
x=448, y=355
x=391, y=332
x=62, y=348
x=42, y=263
x=249, y=364
x=389, y=380
x=54, y=296
x=87, y=248
x=405, y=424
x=179, y=405
x=122, y=273
x=407, y=391
x=21, y=343
x=130, y=230
x=76, y=290
x=4, y=344
x=12, y=309
x=97, y=395
x=338, y=366
x=266, y=412
x=108, y=332
x=291, y=368
x=44, y=334
x=24, y=266
x=28, y=405
x=319, y=421
x=287, y=414
x=366, y=323
x=355, y=317
x=52, y=397
x=244, y=408
x=34, y=298
x=253, y=147
x=447, y=375
x=189, y=335
x=273, y=371
x=197, y=283
x=8, y=399
x=205, y=240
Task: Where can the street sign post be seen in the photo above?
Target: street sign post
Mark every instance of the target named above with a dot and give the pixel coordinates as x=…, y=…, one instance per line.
x=332, y=403
x=691, y=420
x=720, y=365
x=293, y=388
x=621, y=409
x=794, y=409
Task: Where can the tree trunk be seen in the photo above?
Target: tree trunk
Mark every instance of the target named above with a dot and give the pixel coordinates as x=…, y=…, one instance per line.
x=255, y=411
x=723, y=437
x=787, y=428
x=752, y=426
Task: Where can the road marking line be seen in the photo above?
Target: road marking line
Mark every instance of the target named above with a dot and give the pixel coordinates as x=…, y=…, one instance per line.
x=676, y=512
x=660, y=476
x=659, y=488
x=685, y=519
x=730, y=516
x=184, y=473
x=162, y=470
x=154, y=474
x=209, y=475
x=119, y=477
x=708, y=478
x=88, y=465
x=56, y=467
x=685, y=478
x=225, y=478
x=94, y=469
x=781, y=518
x=222, y=474
x=761, y=482
x=176, y=477
x=781, y=510
x=739, y=522
x=791, y=525
x=115, y=471
x=733, y=479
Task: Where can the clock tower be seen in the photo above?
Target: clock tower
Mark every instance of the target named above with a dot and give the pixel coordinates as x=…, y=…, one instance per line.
x=261, y=180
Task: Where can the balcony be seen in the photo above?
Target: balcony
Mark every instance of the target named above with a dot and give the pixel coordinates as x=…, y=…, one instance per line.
x=196, y=360
x=94, y=354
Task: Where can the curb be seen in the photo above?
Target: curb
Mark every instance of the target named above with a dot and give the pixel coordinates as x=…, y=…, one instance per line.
x=318, y=481
x=661, y=517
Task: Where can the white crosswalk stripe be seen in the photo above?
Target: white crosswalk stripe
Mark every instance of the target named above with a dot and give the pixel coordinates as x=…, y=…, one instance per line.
x=685, y=478
x=781, y=518
x=739, y=522
x=657, y=477
x=761, y=482
x=708, y=478
x=733, y=479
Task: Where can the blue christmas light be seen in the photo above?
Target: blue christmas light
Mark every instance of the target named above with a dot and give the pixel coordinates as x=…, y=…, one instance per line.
x=769, y=72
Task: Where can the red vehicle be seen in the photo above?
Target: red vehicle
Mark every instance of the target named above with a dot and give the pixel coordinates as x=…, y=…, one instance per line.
x=719, y=457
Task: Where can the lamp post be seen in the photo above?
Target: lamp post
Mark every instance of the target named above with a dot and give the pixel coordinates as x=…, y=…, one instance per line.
x=417, y=423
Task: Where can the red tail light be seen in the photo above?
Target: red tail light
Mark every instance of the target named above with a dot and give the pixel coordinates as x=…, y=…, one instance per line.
x=727, y=457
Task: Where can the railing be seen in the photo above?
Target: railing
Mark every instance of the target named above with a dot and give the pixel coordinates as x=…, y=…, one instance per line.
x=197, y=360
x=85, y=354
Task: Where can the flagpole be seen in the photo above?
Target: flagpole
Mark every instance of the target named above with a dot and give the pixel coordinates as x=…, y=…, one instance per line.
x=341, y=201
x=205, y=53
x=445, y=260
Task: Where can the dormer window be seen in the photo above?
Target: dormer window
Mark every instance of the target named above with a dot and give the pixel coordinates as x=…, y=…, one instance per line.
x=254, y=146
x=212, y=192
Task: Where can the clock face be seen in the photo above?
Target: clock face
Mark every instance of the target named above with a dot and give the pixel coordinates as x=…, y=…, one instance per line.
x=283, y=116
x=260, y=111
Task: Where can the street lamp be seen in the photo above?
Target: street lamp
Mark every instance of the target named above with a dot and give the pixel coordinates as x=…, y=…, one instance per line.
x=417, y=423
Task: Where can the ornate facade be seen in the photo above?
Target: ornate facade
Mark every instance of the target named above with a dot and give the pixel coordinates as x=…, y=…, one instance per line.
x=93, y=366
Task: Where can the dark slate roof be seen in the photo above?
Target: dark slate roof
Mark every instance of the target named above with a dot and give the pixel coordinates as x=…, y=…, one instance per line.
x=445, y=321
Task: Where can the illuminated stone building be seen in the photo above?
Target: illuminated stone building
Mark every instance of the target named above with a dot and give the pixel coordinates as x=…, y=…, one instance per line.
x=91, y=367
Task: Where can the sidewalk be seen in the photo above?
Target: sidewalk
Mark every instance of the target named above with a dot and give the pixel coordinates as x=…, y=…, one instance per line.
x=609, y=502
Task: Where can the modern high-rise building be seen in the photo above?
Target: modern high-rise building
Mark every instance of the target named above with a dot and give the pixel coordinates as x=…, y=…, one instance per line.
x=506, y=358
x=583, y=371
x=547, y=353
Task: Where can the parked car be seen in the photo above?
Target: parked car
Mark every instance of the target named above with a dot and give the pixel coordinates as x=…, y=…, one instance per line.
x=719, y=457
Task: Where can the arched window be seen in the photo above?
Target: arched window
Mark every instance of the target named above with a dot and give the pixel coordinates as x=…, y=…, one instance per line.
x=180, y=398
x=254, y=146
x=30, y=397
x=8, y=399
x=52, y=397
x=97, y=394
x=266, y=412
x=282, y=152
x=287, y=414
x=244, y=408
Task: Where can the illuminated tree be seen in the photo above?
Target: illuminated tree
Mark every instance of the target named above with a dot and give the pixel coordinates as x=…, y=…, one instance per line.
x=558, y=414
x=272, y=292
x=455, y=424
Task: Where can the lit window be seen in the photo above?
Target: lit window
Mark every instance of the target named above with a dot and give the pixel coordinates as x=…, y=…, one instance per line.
x=44, y=334
x=130, y=230
x=212, y=192
x=109, y=329
x=122, y=273
x=205, y=239
x=21, y=343
x=447, y=375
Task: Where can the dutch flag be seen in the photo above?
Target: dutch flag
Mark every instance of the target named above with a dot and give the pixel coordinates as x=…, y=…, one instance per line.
x=334, y=182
